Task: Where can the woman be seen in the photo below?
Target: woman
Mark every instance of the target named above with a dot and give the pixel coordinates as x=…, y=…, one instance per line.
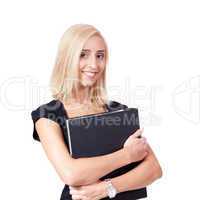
x=78, y=86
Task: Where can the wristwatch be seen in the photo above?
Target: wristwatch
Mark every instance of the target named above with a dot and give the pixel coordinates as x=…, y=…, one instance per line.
x=111, y=190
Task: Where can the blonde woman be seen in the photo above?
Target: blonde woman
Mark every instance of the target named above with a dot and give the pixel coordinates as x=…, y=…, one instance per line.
x=78, y=88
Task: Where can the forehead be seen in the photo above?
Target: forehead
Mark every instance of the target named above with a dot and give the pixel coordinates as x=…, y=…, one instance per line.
x=94, y=43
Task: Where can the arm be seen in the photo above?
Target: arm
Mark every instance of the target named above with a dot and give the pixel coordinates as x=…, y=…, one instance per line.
x=141, y=176
x=80, y=171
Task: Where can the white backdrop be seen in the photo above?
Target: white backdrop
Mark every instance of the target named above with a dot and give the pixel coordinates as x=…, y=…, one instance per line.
x=154, y=65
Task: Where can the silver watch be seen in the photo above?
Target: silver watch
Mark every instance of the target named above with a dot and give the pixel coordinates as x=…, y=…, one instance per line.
x=111, y=190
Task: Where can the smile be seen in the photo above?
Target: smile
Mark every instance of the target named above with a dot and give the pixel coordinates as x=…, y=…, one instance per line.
x=89, y=74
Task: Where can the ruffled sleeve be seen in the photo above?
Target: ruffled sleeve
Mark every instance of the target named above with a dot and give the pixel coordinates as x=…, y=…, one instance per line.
x=52, y=110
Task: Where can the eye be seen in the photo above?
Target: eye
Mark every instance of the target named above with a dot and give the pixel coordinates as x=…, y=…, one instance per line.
x=100, y=56
x=83, y=55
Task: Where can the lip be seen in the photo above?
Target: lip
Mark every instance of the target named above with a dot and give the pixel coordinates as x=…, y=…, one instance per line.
x=89, y=74
x=91, y=71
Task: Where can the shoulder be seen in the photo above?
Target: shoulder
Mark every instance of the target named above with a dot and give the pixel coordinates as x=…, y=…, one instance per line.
x=52, y=110
x=115, y=105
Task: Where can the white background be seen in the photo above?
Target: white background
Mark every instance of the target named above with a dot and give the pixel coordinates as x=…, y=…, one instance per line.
x=154, y=65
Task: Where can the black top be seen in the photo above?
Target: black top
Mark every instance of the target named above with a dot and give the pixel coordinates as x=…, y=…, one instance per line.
x=55, y=111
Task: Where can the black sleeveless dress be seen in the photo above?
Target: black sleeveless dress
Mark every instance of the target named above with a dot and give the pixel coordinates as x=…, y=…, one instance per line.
x=55, y=111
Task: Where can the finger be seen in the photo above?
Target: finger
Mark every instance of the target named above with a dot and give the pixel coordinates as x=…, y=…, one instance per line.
x=146, y=147
x=144, y=140
x=138, y=133
x=71, y=188
x=142, y=129
x=75, y=187
x=77, y=197
x=74, y=192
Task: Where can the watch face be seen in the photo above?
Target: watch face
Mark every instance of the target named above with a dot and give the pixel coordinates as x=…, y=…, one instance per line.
x=112, y=192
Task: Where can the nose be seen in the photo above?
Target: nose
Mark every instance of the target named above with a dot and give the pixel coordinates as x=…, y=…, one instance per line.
x=93, y=62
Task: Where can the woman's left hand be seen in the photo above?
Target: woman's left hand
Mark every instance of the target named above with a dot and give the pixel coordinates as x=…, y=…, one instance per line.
x=93, y=191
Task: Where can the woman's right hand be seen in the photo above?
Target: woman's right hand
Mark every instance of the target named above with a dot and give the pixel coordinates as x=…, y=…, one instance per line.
x=137, y=148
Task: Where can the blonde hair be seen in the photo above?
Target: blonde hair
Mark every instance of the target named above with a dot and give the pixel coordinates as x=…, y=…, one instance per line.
x=64, y=76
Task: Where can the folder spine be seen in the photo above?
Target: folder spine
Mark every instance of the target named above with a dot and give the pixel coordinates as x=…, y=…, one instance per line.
x=69, y=137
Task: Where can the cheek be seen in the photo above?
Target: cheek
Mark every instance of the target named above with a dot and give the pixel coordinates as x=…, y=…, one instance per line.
x=102, y=67
x=81, y=65
x=101, y=71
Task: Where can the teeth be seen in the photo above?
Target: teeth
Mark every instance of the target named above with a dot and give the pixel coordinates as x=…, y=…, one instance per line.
x=90, y=74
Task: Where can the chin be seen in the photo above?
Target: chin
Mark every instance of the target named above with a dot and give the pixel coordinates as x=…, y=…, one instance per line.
x=87, y=83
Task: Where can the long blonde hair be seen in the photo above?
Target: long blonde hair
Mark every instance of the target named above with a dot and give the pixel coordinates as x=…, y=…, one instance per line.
x=64, y=76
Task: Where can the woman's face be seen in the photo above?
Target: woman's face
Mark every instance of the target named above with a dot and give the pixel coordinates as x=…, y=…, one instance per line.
x=92, y=61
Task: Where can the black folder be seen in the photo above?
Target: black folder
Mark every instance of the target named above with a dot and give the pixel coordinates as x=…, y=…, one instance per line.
x=101, y=134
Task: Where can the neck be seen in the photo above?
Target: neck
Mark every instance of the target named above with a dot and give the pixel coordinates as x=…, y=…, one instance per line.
x=82, y=96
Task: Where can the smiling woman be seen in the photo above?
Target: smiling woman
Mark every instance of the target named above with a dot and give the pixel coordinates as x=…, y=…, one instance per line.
x=78, y=88
x=81, y=66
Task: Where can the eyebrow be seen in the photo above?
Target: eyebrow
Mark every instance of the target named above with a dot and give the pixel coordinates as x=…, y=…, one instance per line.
x=88, y=50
